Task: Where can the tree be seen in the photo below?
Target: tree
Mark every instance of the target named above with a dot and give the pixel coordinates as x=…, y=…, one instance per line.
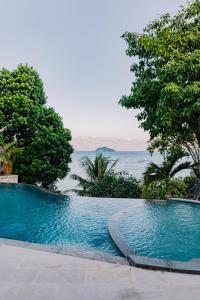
x=22, y=97
x=99, y=168
x=96, y=170
x=166, y=88
x=8, y=154
x=103, y=181
x=47, y=157
x=23, y=80
x=167, y=170
x=37, y=128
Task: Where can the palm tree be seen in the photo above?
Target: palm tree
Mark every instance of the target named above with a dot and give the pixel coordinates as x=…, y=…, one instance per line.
x=7, y=155
x=96, y=170
x=167, y=169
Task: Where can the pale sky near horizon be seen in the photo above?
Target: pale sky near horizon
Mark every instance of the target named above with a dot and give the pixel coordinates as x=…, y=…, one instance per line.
x=76, y=47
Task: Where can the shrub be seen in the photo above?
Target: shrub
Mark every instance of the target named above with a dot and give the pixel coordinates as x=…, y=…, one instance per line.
x=189, y=181
x=160, y=189
x=120, y=185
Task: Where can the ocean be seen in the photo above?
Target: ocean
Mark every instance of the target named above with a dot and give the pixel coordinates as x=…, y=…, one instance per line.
x=133, y=162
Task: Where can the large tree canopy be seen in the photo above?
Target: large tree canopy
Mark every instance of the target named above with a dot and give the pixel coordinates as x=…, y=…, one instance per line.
x=38, y=129
x=166, y=87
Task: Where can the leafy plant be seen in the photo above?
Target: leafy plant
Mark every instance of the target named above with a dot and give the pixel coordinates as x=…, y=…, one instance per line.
x=101, y=167
x=120, y=185
x=8, y=154
x=167, y=169
x=102, y=181
x=166, y=86
x=38, y=129
x=161, y=189
x=9, y=151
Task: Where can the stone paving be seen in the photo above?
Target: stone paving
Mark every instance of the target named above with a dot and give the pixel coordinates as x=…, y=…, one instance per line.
x=33, y=274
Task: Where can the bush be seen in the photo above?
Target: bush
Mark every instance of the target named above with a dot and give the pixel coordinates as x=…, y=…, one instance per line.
x=120, y=185
x=189, y=181
x=160, y=189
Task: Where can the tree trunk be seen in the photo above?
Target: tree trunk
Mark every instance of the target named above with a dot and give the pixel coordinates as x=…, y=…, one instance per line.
x=7, y=168
x=198, y=131
x=193, y=149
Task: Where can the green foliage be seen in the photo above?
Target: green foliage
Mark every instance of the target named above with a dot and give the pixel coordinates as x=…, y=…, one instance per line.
x=101, y=167
x=167, y=169
x=166, y=88
x=102, y=181
x=1, y=140
x=46, y=158
x=189, y=181
x=161, y=189
x=22, y=98
x=120, y=185
x=23, y=80
x=9, y=151
x=38, y=129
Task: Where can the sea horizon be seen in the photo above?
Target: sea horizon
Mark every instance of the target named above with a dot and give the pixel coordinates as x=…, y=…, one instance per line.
x=133, y=162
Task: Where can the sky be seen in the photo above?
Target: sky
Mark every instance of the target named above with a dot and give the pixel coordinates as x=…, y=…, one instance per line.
x=76, y=47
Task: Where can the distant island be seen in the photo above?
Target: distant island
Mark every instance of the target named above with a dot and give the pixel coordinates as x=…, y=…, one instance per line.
x=104, y=149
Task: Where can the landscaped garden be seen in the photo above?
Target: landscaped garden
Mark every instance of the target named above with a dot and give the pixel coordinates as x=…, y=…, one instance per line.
x=166, y=90
x=35, y=145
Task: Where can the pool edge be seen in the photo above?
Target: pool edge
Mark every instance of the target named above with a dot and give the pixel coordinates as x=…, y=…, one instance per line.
x=65, y=250
x=36, y=187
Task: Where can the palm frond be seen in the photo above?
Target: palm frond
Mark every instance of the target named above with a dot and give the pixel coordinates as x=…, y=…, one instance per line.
x=152, y=173
x=82, y=182
x=180, y=167
x=77, y=191
x=167, y=169
x=99, y=168
x=113, y=165
x=172, y=159
x=9, y=151
x=89, y=167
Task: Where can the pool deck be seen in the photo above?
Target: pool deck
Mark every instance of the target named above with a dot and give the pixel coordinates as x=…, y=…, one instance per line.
x=27, y=273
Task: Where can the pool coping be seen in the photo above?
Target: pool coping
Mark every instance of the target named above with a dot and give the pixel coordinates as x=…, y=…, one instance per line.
x=66, y=250
x=36, y=187
x=189, y=267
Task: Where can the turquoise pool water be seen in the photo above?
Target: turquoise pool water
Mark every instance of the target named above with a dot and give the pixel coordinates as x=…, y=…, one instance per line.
x=28, y=214
x=159, y=229
x=163, y=229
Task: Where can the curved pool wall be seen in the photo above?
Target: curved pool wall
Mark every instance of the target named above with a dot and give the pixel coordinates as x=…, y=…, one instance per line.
x=192, y=266
x=32, y=215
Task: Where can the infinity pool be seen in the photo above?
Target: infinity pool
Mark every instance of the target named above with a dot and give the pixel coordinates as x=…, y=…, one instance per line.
x=158, y=229
x=28, y=214
x=162, y=229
